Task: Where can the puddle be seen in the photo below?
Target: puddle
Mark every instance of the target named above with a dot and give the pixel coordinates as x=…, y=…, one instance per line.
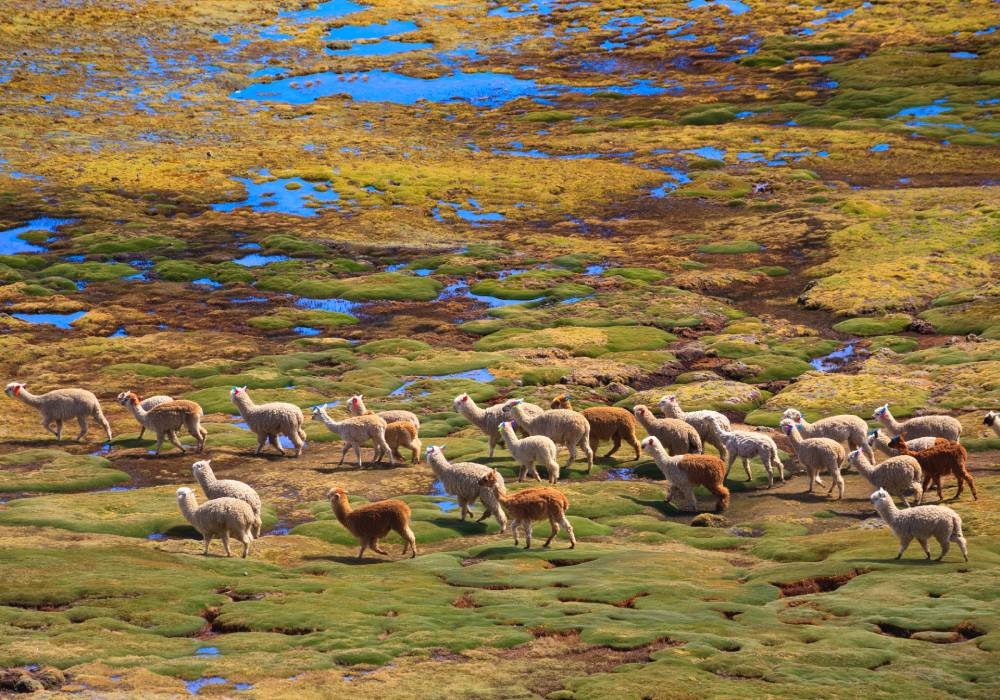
x=446, y=504
x=836, y=360
x=595, y=270
x=340, y=305
x=11, y=242
x=678, y=178
x=291, y=195
x=57, y=320
x=386, y=47
x=206, y=282
x=734, y=7
x=258, y=260
x=353, y=32
x=817, y=24
x=195, y=686
x=479, y=375
x=307, y=330
x=156, y=537
x=462, y=289
x=247, y=300
x=207, y=651
x=620, y=475
x=964, y=54
x=119, y=333
x=879, y=148
x=471, y=213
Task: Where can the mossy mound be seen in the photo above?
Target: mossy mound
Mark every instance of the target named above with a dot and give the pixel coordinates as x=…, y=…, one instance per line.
x=590, y=342
x=874, y=325
x=56, y=471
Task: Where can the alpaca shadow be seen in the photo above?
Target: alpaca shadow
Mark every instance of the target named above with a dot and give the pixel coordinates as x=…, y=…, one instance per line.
x=344, y=559
x=913, y=560
x=353, y=467
x=800, y=496
x=662, y=506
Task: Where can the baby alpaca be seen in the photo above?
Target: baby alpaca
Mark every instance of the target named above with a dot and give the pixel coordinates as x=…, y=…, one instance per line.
x=684, y=472
x=220, y=517
x=563, y=427
x=527, y=506
x=529, y=451
x=880, y=442
x=355, y=432
x=356, y=407
x=167, y=418
x=923, y=426
x=921, y=523
x=677, y=436
x=269, y=420
x=221, y=488
x=372, y=522
x=746, y=446
x=61, y=405
x=606, y=423
x=945, y=457
x=817, y=454
x=147, y=404
x=401, y=434
x=707, y=423
x=900, y=475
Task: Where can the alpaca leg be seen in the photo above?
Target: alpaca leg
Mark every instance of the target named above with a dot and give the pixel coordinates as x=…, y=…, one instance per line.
x=945, y=546
x=554, y=525
x=297, y=442
x=923, y=546
x=172, y=436
x=813, y=479
x=746, y=467
x=615, y=439
x=514, y=525
x=521, y=472
x=411, y=540
x=590, y=455
x=572, y=454
x=487, y=512
x=534, y=471
x=276, y=443
x=104, y=423
x=781, y=467
x=961, y=544
x=553, y=469
x=464, y=504
x=225, y=544
x=247, y=540
x=361, y=552
x=208, y=541
x=729, y=465
x=357, y=453
x=904, y=542
x=967, y=476
x=691, y=499
x=569, y=531
x=82, y=420
x=142, y=431
x=343, y=453
x=493, y=442
x=159, y=443
x=261, y=439
x=937, y=482
x=634, y=443
x=374, y=545
x=47, y=424
x=528, y=527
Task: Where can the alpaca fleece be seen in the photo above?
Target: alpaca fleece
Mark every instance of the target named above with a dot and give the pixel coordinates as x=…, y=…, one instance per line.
x=147, y=404
x=268, y=420
x=676, y=436
x=372, y=522
x=746, y=446
x=850, y=431
x=992, y=419
x=356, y=431
x=901, y=475
x=817, y=454
x=880, y=442
x=922, y=426
x=61, y=405
x=921, y=523
x=220, y=517
x=356, y=407
x=563, y=427
x=529, y=451
x=168, y=418
x=945, y=457
x=530, y=505
x=401, y=434
x=486, y=419
x=222, y=488
x=707, y=423
x=461, y=480
x=684, y=472
x=606, y=423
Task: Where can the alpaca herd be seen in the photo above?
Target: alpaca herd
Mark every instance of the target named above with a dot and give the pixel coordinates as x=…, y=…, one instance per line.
x=918, y=452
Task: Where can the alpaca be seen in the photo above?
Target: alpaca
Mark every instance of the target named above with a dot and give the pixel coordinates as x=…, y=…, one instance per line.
x=900, y=476
x=356, y=407
x=61, y=405
x=167, y=418
x=746, y=446
x=817, y=454
x=880, y=442
x=220, y=517
x=945, y=457
x=850, y=431
x=606, y=423
x=923, y=426
x=268, y=420
x=563, y=427
x=486, y=419
x=461, y=480
x=527, y=506
x=401, y=434
x=356, y=431
x=529, y=451
x=676, y=436
x=221, y=488
x=372, y=522
x=148, y=404
x=707, y=423
x=922, y=523
x=684, y=472
x=991, y=420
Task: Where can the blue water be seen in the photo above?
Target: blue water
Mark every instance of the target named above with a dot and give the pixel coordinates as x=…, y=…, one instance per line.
x=243, y=686
x=710, y=152
x=922, y=111
x=248, y=300
x=835, y=360
x=479, y=375
x=257, y=260
x=734, y=7
x=194, y=686
x=595, y=270
x=120, y=333
x=678, y=178
x=206, y=282
x=385, y=47
x=964, y=54
x=471, y=213
x=622, y=474
x=821, y=59
x=462, y=289
x=445, y=504
x=272, y=195
x=250, y=246
x=340, y=305
x=12, y=244
x=332, y=9
x=879, y=148
x=58, y=320
x=207, y=651
x=306, y=330
x=156, y=537
x=353, y=32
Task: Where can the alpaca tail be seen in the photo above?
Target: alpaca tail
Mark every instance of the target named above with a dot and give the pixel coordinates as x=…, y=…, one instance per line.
x=722, y=503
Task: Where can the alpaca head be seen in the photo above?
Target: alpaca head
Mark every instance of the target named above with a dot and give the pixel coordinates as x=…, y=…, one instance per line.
x=237, y=391
x=788, y=425
x=337, y=494
x=511, y=423
x=128, y=398
x=318, y=412
x=202, y=467
x=435, y=450
x=854, y=456
x=14, y=389
x=183, y=492
x=669, y=399
x=792, y=414
x=881, y=411
x=651, y=443
x=355, y=400
x=640, y=410
x=460, y=400
x=991, y=418
x=897, y=442
x=873, y=436
x=561, y=401
x=880, y=497
x=490, y=479
x=510, y=405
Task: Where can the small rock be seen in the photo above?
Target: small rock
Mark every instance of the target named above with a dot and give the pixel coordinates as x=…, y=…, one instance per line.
x=872, y=524
x=18, y=681
x=619, y=389
x=973, y=338
x=919, y=325
x=690, y=352
x=736, y=370
x=709, y=520
x=51, y=677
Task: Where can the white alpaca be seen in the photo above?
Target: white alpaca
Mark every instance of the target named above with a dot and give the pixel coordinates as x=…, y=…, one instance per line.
x=921, y=523
x=746, y=446
x=900, y=476
x=61, y=405
x=707, y=423
x=269, y=420
x=220, y=517
x=356, y=431
x=221, y=488
x=922, y=426
x=529, y=451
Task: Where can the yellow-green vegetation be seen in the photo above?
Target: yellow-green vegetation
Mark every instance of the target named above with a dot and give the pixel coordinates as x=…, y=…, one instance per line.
x=754, y=207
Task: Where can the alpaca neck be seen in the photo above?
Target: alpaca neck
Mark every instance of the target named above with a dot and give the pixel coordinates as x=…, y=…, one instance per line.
x=188, y=506
x=865, y=468
x=244, y=404
x=474, y=412
x=328, y=421
x=891, y=423
x=644, y=419
x=206, y=479
x=673, y=410
x=437, y=462
x=519, y=415
x=803, y=423
x=663, y=458
x=887, y=510
x=138, y=411
x=795, y=438
x=29, y=398
x=341, y=508
x=510, y=437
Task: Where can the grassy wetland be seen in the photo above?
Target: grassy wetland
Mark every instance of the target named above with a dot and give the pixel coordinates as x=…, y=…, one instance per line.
x=752, y=206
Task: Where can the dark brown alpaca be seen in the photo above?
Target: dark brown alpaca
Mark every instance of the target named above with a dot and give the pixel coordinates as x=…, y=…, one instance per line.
x=371, y=522
x=606, y=423
x=945, y=457
x=530, y=505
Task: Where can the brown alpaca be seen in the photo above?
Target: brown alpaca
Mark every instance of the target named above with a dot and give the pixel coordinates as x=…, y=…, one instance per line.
x=167, y=418
x=527, y=506
x=945, y=457
x=606, y=423
x=372, y=522
x=684, y=472
x=402, y=434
